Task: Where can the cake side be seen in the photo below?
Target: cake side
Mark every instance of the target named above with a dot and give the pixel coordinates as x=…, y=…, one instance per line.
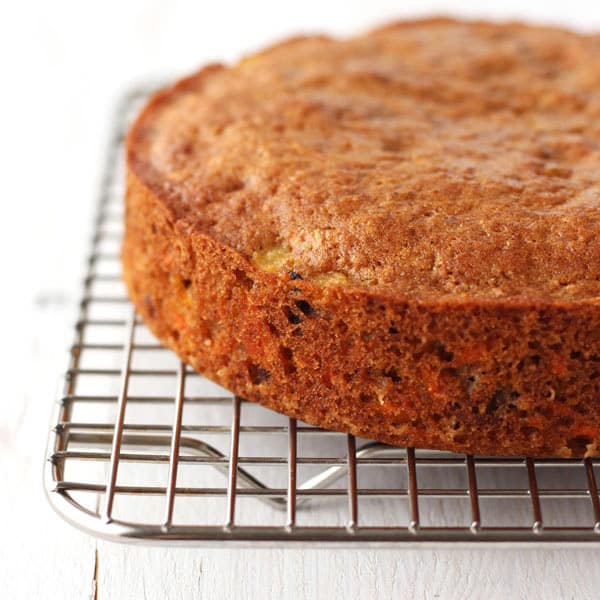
x=495, y=377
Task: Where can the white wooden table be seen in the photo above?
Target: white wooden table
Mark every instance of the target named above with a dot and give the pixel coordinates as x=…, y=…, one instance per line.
x=65, y=64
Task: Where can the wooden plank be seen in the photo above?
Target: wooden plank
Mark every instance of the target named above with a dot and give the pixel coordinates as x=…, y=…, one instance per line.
x=157, y=573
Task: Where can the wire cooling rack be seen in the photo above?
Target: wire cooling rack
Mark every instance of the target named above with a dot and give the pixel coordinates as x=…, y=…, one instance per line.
x=144, y=449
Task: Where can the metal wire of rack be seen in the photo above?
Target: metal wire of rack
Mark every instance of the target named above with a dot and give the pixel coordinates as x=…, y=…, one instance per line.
x=144, y=449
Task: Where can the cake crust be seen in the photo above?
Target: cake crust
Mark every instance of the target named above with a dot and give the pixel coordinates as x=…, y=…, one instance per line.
x=396, y=235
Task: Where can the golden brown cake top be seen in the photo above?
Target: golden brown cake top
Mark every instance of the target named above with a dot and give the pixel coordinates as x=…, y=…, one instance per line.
x=431, y=159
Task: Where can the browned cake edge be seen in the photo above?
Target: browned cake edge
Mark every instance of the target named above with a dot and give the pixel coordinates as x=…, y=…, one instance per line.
x=504, y=377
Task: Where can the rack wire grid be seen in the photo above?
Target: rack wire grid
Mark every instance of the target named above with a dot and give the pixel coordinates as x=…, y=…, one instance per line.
x=144, y=449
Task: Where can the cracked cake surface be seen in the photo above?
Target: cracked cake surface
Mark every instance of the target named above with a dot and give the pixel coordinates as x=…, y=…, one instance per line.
x=396, y=235
x=442, y=158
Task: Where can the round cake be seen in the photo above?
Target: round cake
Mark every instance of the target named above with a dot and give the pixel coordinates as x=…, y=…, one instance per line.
x=395, y=235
